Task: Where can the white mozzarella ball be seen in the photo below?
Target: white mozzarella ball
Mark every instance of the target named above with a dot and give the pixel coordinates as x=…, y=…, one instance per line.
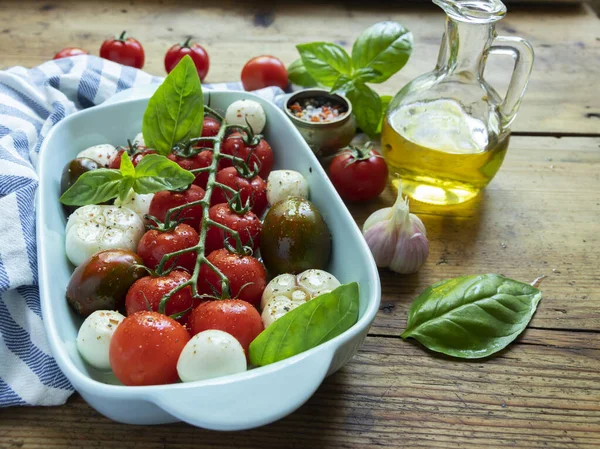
x=279, y=285
x=211, y=354
x=241, y=111
x=95, y=334
x=317, y=282
x=278, y=306
x=139, y=140
x=100, y=153
x=282, y=184
x=95, y=228
x=137, y=202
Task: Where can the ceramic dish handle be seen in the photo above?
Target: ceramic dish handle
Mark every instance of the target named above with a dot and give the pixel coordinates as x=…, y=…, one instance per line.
x=219, y=406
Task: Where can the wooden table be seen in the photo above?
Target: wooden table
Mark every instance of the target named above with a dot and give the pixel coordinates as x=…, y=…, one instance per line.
x=540, y=216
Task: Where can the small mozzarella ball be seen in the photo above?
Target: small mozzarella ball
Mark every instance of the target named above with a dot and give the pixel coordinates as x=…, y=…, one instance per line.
x=95, y=228
x=284, y=285
x=241, y=111
x=277, y=307
x=282, y=184
x=93, y=339
x=137, y=202
x=317, y=282
x=102, y=154
x=139, y=140
x=211, y=354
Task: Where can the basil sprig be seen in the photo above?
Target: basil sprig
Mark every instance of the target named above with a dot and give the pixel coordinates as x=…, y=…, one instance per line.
x=472, y=316
x=307, y=326
x=153, y=174
x=379, y=52
x=176, y=110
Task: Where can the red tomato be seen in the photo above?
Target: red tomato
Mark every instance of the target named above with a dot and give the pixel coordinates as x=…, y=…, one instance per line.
x=124, y=50
x=155, y=244
x=200, y=160
x=166, y=199
x=140, y=153
x=358, y=174
x=262, y=154
x=264, y=71
x=147, y=294
x=210, y=128
x=247, y=276
x=70, y=51
x=145, y=348
x=236, y=317
x=254, y=188
x=196, y=52
x=247, y=225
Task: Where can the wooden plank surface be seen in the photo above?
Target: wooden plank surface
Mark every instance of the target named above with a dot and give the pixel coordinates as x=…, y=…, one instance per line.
x=540, y=216
x=562, y=95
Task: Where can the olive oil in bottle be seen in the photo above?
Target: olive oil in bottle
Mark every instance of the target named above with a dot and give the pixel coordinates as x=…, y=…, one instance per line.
x=440, y=153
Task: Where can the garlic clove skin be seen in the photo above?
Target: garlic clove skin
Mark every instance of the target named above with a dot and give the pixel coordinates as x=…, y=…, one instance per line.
x=381, y=238
x=412, y=249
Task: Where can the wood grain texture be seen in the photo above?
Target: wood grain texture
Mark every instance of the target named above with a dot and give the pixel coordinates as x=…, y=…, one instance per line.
x=562, y=95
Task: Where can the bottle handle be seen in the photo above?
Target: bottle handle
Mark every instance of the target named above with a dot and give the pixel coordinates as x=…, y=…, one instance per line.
x=522, y=52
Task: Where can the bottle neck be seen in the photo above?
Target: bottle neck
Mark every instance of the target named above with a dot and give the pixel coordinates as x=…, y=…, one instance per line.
x=463, y=47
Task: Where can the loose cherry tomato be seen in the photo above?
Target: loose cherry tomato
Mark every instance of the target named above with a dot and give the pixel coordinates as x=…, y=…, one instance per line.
x=136, y=156
x=148, y=294
x=124, y=50
x=247, y=276
x=358, y=174
x=200, y=160
x=196, y=52
x=233, y=316
x=155, y=244
x=261, y=154
x=264, y=71
x=166, y=199
x=246, y=224
x=70, y=51
x=145, y=348
x=253, y=188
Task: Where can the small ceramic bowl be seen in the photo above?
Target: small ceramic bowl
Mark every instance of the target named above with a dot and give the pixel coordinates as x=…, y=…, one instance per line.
x=324, y=138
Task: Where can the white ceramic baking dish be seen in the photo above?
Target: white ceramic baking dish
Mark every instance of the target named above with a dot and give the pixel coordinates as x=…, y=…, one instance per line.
x=254, y=398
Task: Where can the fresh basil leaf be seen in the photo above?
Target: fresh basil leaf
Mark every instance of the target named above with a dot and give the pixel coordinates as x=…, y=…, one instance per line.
x=176, y=110
x=126, y=166
x=307, y=326
x=366, y=106
x=472, y=316
x=385, y=47
x=325, y=61
x=342, y=85
x=125, y=186
x=155, y=173
x=298, y=74
x=366, y=75
x=93, y=187
x=385, y=102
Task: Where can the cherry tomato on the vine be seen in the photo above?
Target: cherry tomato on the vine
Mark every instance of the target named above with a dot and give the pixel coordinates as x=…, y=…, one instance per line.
x=197, y=53
x=136, y=157
x=148, y=294
x=164, y=200
x=254, y=188
x=247, y=225
x=234, y=316
x=124, y=50
x=210, y=128
x=201, y=160
x=145, y=348
x=247, y=276
x=261, y=154
x=70, y=51
x=264, y=71
x=155, y=244
x=358, y=174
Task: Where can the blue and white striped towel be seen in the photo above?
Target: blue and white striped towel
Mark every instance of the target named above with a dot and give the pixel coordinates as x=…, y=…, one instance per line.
x=31, y=102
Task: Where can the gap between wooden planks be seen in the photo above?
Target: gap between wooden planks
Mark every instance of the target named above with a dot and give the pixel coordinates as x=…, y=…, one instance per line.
x=562, y=96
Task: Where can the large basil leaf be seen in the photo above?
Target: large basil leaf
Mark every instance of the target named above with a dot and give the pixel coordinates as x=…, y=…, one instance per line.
x=298, y=74
x=307, y=326
x=325, y=61
x=384, y=47
x=93, y=187
x=176, y=110
x=472, y=316
x=155, y=173
x=366, y=106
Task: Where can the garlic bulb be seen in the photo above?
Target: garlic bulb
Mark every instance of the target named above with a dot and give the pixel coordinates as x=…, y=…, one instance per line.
x=397, y=238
